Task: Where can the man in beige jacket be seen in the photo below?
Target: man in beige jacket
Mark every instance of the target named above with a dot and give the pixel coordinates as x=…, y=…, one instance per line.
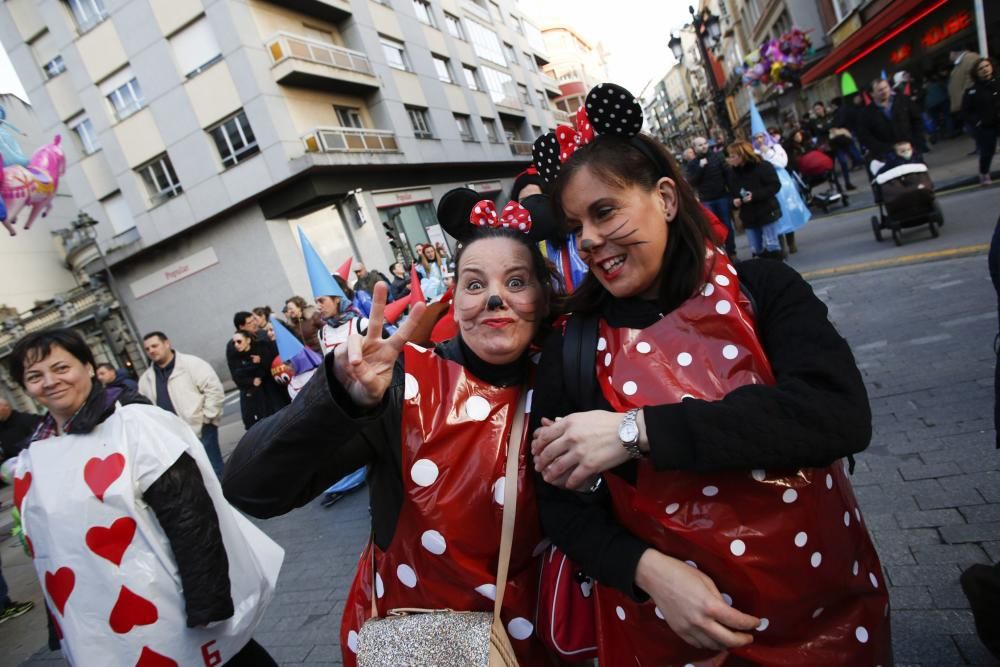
x=187, y=386
x=961, y=76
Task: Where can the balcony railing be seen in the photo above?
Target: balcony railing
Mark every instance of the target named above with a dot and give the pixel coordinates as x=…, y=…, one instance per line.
x=562, y=117
x=350, y=139
x=520, y=147
x=284, y=46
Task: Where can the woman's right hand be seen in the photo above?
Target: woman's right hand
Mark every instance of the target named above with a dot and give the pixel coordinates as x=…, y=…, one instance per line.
x=691, y=604
x=363, y=365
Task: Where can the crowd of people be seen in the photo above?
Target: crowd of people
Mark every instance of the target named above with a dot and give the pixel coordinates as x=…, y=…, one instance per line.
x=678, y=424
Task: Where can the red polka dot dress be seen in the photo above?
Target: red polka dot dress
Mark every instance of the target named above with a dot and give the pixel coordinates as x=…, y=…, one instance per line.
x=444, y=551
x=788, y=546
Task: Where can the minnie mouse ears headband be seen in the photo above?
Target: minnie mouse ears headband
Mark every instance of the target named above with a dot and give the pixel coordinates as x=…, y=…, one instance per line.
x=608, y=110
x=464, y=214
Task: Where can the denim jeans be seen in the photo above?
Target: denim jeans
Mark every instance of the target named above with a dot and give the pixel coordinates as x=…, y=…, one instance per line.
x=763, y=238
x=721, y=208
x=210, y=439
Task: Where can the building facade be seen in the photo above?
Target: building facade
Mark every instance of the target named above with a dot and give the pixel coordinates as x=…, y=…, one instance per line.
x=204, y=131
x=576, y=64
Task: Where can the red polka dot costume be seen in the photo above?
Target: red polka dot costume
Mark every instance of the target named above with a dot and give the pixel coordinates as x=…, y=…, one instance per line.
x=444, y=551
x=788, y=546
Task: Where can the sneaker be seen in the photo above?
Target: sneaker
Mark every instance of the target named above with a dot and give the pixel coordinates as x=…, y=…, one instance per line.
x=987, y=180
x=15, y=609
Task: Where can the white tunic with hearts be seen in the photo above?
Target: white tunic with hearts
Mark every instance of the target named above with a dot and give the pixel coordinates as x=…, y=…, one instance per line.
x=105, y=566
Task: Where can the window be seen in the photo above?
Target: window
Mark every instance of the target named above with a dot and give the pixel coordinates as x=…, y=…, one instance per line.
x=543, y=100
x=235, y=140
x=500, y=86
x=54, y=67
x=508, y=51
x=516, y=22
x=442, y=69
x=536, y=130
x=88, y=13
x=118, y=214
x=195, y=48
x=491, y=130
x=485, y=42
x=348, y=117
x=471, y=80
x=160, y=179
x=530, y=59
x=495, y=12
x=85, y=134
x=123, y=93
x=420, y=122
x=522, y=92
x=422, y=8
x=317, y=34
x=395, y=54
x=464, y=127
x=454, y=26
x=844, y=7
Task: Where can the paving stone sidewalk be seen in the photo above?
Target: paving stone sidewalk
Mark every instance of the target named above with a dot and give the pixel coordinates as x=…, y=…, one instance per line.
x=929, y=485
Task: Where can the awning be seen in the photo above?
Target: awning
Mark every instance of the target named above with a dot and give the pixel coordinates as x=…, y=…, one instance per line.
x=888, y=23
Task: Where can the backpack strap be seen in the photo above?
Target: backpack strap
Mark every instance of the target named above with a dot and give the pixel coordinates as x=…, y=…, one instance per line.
x=579, y=372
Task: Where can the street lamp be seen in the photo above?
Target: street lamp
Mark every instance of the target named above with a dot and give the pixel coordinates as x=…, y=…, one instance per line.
x=708, y=31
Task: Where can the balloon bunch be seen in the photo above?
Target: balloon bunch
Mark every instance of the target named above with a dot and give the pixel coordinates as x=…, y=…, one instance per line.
x=777, y=62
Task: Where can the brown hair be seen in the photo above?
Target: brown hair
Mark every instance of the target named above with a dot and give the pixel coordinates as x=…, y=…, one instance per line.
x=620, y=162
x=974, y=72
x=743, y=149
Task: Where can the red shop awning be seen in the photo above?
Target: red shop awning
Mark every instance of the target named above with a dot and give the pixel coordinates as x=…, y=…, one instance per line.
x=888, y=23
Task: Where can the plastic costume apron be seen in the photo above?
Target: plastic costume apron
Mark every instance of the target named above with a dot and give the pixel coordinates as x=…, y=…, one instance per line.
x=787, y=545
x=445, y=548
x=794, y=212
x=104, y=564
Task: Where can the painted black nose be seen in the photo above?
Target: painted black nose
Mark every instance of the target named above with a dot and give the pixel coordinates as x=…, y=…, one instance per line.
x=494, y=303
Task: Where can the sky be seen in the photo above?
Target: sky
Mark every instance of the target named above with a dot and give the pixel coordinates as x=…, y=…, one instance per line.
x=634, y=33
x=9, y=83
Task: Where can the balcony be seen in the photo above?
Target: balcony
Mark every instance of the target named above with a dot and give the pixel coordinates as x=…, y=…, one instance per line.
x=299, y=61
x=510, y=106
x=520, y=147
x=350, y=140
x=563, y=118
x=551, y=85
x=326, y=10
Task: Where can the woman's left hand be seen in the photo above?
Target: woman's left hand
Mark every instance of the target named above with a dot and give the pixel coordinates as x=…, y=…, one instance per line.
x=572, y=450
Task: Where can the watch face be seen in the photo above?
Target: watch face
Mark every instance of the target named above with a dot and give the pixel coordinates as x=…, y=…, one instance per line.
x=628, y=432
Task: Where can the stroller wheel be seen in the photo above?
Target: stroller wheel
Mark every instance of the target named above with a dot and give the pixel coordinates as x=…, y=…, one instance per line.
x=933, y=224
x=897, y=237
x=938, y=214
x=846, y=201
x=877, y=228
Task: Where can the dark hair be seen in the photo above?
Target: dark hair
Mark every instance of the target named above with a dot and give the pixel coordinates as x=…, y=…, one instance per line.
x=105, y=364
x=876, y=81
x=298, y=301
x=159, y=334
x=36, y=346
x=240, y=318
x=974, y=72
x=619, y=162
x=263, y=311
x=240, y=332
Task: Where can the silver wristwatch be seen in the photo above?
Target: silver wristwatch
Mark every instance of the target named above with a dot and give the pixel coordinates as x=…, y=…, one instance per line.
x=628, y=433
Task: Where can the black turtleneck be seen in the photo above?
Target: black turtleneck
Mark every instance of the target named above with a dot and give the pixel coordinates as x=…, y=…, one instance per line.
x=290, y=458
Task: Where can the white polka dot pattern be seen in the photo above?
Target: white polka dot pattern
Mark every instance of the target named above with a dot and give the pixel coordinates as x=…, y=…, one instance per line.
x=423, y=472
x=406, y=576
x=520, y=628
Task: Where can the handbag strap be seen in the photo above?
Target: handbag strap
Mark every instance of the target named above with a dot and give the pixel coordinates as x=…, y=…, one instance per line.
x=509, y=512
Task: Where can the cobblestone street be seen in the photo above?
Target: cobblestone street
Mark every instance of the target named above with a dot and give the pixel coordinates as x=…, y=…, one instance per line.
x=929, y=485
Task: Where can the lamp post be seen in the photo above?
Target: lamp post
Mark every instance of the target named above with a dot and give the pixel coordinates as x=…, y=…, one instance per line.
x=707, y=32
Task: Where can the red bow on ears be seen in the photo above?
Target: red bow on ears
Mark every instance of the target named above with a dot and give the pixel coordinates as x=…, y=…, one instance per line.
x=570, y=139
x=484, y=214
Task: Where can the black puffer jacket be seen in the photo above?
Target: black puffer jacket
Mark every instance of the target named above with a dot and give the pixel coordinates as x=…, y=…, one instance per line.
x=981, y=103
x=761, y=181
x=710, y=180
x=185, y=512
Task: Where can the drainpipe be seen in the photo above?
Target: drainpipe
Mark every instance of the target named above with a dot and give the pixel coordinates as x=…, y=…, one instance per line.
x=981, y=28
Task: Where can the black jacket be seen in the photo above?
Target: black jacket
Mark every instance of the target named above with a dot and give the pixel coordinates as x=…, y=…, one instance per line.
x=264, y=399
x=185, y=512
x=400, y=287
x=879, y=133
x=981, y=103
x=761, y=180
x=711, y=181
x=290, y=458
x=15, y=432
x=816, y=413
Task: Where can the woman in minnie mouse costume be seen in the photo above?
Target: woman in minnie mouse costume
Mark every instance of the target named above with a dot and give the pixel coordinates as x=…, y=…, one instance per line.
x=711, y=500
x=433, y=427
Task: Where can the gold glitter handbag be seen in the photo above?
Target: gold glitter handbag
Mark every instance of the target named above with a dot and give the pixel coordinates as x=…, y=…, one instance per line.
x=412, y=637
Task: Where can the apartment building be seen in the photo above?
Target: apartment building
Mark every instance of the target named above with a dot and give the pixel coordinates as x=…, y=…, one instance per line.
x=204, y=131
x=576, y=64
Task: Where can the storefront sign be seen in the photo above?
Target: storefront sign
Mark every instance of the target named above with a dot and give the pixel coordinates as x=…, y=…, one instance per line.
x=952, y=26
x=847, y=27
x=175, y=272
x=901, y=54
x=401, y=197
x=486, y=187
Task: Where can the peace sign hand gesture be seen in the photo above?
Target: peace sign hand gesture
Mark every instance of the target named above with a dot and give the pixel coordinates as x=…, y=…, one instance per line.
x=363, y=365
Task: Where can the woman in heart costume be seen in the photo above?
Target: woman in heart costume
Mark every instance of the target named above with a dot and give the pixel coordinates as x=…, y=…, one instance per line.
x=141, y=559
x=707, y=444
x=433, y=428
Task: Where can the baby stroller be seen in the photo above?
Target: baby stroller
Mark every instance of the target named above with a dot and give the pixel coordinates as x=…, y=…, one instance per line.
x=815, y=169
x=905, y=198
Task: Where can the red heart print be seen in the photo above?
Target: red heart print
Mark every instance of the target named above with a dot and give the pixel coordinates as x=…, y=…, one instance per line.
x=131, y=610
x=112, y=542
x=150, y=658
x=21, y=486
x=59, y=585
x=102, y=473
